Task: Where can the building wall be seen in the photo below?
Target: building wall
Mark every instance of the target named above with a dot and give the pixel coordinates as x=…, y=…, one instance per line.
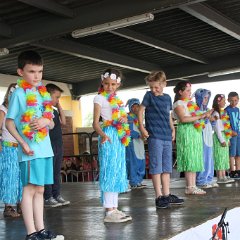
x=74, y=121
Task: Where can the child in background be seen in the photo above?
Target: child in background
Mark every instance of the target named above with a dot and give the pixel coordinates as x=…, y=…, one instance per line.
x=205, y=178
x=135, y=154
x=189, y=136
x=114, y=136
x=234, y=115
x=10, y=182
x=52, y=193
x=222, y=134
x=160, y=133
x=29, y=117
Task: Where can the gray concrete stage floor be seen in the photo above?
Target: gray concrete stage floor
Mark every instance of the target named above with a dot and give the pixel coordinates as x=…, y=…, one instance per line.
x=83, y=219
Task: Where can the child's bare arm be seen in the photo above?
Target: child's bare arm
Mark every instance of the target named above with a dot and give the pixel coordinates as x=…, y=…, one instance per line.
x=179, y=110
x=61, y=114
x=142, y=129
x=96, y=125
x=10, y=125
x=2, y=115
x=172, y=127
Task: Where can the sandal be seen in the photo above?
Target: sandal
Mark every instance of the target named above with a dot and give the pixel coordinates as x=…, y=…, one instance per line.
x=9, y=211
x=194, y=191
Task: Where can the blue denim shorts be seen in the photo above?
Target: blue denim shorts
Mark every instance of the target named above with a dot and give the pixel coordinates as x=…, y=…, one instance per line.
x=160, y=156
x=234, y=149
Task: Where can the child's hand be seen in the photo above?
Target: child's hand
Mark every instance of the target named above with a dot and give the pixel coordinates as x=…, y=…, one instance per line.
x=123, y=120
x=144, y=132
x=223, y=144
x=26, y=149
x=209, y=113
x=105, y=138
x=234, y=133
x=39, y=123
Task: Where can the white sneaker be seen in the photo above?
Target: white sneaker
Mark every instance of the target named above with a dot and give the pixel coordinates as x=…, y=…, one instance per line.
x=214, y=185
x=117, y=217
x=124, y=214
x=228, y=180
x=61, y=200
x=225, y=180
x=51, y=202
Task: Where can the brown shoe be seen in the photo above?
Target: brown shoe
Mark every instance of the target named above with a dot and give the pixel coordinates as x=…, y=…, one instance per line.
x=9, y=211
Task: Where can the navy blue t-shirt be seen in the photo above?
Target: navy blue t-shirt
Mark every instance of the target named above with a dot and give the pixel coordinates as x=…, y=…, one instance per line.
x=157, y=115
x=56, y=133
x=233, y=114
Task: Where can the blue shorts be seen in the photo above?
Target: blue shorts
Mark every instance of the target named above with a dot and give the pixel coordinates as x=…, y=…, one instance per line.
x=160, y=156
x=38, y=171
x=234, y=149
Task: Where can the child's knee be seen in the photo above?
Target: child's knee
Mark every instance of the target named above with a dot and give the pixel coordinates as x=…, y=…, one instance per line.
x=40, y=189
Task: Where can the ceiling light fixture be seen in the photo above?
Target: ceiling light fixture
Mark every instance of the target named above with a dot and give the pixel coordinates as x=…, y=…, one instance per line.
x=113, y=25
x=4, y=51
x=224, y=72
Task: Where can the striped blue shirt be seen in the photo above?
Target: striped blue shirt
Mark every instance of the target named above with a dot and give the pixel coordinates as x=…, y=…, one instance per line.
x=157, y=115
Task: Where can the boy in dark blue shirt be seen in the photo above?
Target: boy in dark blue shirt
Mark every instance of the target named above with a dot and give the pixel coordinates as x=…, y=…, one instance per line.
x=52, y=194
x=233, y=112
x=160, y=133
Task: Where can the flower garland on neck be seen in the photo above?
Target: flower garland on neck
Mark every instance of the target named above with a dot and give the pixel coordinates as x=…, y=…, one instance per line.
x=117, y=112
x=135, y=118
x=226, y=123
x=31, y=101
x=195, y=111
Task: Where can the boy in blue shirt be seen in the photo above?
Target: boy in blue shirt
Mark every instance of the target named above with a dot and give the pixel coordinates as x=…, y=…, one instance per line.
x=135, y=153
x=160, y=133
x=28, y=120
x=233, y=112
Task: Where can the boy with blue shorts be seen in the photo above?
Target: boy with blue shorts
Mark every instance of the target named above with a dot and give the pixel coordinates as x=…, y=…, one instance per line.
x=234, y=149
x=28, y=120
x=160, y=133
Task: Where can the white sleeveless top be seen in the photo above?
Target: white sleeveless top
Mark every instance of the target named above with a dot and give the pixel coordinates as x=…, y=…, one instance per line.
x=6, y=136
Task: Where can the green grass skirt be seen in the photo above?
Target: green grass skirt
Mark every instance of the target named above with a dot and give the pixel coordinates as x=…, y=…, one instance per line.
x=189, y=148
x=220, y=154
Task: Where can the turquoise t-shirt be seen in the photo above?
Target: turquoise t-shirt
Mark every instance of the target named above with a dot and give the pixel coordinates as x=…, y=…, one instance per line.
x=17, y=106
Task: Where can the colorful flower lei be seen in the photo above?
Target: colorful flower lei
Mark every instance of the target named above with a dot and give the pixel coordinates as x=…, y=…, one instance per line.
x=195, y=111
x=117, y=112
x=226, y=123
x=135, y=118
x=31, y=101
